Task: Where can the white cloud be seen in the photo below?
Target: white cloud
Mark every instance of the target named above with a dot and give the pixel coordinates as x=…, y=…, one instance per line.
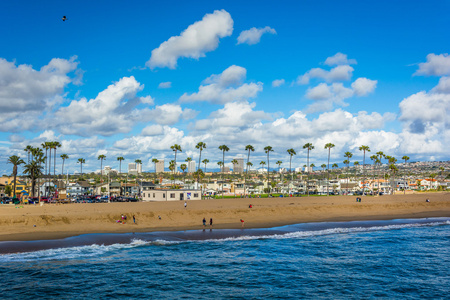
x=436, y=65
x=25, y=92
x=278, y=82
x=234, y=114
x=363, y=86
x=201, y=37
x=319, y=92
x=166, y=114
x=109, y=113
x=443, y=86
x=165, y=85
x=225, y=87
x=423, y=109
x=253, y=35
x=148, y=100
x=339, y=73
x=339, y=59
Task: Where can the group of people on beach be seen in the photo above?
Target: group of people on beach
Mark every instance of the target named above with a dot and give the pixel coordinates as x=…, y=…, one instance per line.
x=210, y=222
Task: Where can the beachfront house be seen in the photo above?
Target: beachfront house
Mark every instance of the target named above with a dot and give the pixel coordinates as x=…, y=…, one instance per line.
x=171, y=195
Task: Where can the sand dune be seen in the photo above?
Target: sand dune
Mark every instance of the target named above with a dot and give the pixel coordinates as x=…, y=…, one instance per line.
x=63, y=220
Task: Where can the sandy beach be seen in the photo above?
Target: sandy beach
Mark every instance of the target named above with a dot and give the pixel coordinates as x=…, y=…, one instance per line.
x=52, y=221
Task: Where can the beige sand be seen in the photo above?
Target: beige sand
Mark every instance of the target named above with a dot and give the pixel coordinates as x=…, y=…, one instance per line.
x=63, y=220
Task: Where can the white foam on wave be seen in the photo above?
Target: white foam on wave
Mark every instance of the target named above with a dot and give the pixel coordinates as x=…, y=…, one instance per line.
x=79, y=252
x=339, y=230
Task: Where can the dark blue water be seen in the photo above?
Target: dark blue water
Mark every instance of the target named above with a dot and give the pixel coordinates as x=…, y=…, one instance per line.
x=401, y=259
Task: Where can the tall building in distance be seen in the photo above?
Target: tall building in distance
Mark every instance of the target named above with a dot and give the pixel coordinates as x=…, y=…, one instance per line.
x=239, y=167
x=160, y=166
x=191, y=166
x=134, y=169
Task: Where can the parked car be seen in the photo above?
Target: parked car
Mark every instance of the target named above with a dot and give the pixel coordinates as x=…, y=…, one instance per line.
x=33, y=200
x=6, y=200
x=131, y=199
x=44, y=199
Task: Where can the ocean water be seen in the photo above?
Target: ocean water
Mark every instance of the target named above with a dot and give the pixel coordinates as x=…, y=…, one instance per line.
x=397, y=259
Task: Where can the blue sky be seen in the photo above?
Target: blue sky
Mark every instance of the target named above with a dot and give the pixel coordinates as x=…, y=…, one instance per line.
x=133, y=78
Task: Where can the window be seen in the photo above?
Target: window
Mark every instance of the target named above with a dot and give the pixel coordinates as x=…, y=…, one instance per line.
x=153, y=195
x=164, y=195
x=172, y=195
x=195, y=195
x=143, y=194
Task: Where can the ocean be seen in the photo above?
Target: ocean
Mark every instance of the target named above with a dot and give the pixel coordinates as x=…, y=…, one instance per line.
x=395, y=259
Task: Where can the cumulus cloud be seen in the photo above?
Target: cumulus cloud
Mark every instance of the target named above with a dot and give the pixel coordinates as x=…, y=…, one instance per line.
x=436, y=65
x=167, y=114
x=422, y=109
x=443, y=86
x=253, y=35
x=201, y=37
x=109, y=113
x=225, y=87
x=364, y=86
x=25, y=91
x=339, y=59
x=278, y=82
x=165, y=85
x=339, y=73
x=234, y=114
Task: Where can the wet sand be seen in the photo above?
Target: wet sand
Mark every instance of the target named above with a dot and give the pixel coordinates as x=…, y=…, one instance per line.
x=54, y=221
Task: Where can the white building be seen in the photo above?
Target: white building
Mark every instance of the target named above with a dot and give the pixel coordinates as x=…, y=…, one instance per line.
x=191, y=166
x=160, y=166
x=239, y=167
x=171, y=195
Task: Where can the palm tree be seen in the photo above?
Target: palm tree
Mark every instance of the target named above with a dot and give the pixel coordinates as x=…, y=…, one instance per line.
x=374, y=158
x=249, y=164
x=348, y=155
x=328, y=146
x=175, y=148
x=249, y=148
x=200, y=146
x=312, y=166
x=189, y=159
x=267, y=150
x=393, y=168
x=55, y=145
x=380, y=155
x=224, y=149
x=308, y=147
x=155, y=161
x=355, y=164
x=220, y=164
x=64, y=157
x=405, y=158
x=101, y=157
x=15, y=161
x=234, y=162
x=364, y=148
x=45, y=146
x=205, y=161
x=34, y=171
x=183, y=168
x=81, y=161
x=262, y=163
x=279, y=162
x=28, y=151
x=120, y=158
x=291, y=153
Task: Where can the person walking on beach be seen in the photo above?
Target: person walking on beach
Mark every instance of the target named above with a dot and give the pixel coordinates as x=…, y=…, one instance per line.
x=185, y=204
x=134, y=220
x=204, y=222
x=210, y=223
x=242, y=223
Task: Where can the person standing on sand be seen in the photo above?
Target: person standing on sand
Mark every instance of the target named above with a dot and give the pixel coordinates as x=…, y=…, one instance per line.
x=204, y=222
x=242, y=223
x=185, y=204
x=210, y=223
x=134, y=220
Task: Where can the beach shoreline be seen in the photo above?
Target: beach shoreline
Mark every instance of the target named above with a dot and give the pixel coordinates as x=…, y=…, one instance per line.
x=57, y=221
